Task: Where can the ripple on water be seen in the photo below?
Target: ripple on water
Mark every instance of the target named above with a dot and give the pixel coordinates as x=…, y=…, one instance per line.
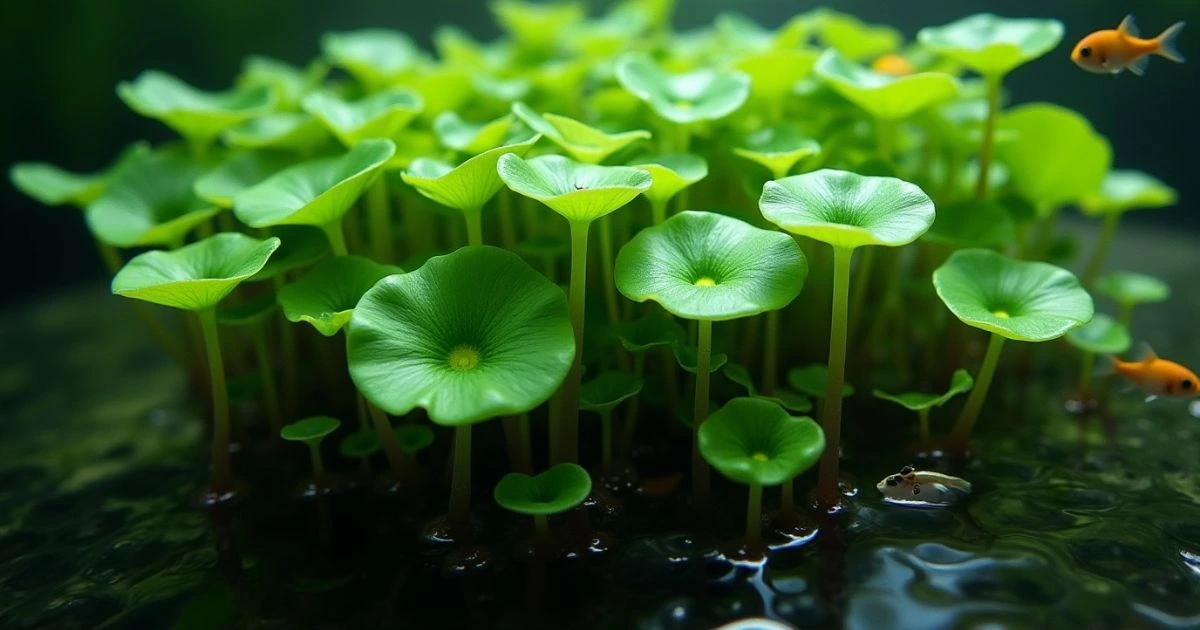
x=659, y=563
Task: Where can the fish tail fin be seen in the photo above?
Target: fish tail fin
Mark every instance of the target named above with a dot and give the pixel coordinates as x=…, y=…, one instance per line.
x=1167, y=42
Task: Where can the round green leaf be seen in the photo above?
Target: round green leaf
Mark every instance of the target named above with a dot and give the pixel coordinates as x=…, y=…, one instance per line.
x=960, y=382
x=469, y=336
x=578, y=192
x=1055, y=156
x=991, y=45
x=972, y=223
x=289, y=83
x=649, y=332
x=326, y=296
x=300, y=246
x=670, y=173
x=502, y=90
x=375, y=57
x=777, y=147
x=537, y=26
x=469, y=137
x=197, y=276
x=310, y=430
x=813, y=380
x=1025, y=301
x=688, y=358
x=582, y=142
x=1122, y=191
x=280, y=131
x=468, y=186
x=854, y=38
x=413, y=438
x=239, y=171
x=884, y=96
x=317, y=192
x=556, y=490
x=848, y=210
x=150, y=202
x=1101, y=335
x=707, y=266
x=53, y=186
x=360, y=445
x=756, y=442
x=380, y=115
x=684, y=98
x=194, y=114
x=603, y=393
x=1127, y=287
x=774, y=73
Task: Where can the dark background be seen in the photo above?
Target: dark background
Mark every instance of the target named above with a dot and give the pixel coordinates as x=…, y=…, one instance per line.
x=62, y=58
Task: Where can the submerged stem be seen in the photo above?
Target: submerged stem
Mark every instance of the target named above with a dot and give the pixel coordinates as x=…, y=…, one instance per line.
x=606, y=442
x=379, y=221
x=1107, y=233
x=387, y=438
x=658, y=211
x=266, y=371
x=989, y=133
x=221, y=476
x=1085, y=372
x=474, y=227
x=831, y=416
x=754, y=517
x=318, y=465
x=337, y=238
x=565, y=446
x=923, y=416
x=700, y=473
x=606, y=258
x=970, y=413
x=770, y=372
x=460, y=484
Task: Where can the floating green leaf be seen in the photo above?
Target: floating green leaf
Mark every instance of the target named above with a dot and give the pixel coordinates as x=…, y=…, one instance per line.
x=468, y=186
x=1101, y=335
x=884, y=96
x=578, y=192
x=375, y=57
x=1055, y=156
x=150, y=201
x=197, y=276
x=310, y=430
x=1127, y=287
x=848, y=210
x=960, y=382
x=1122, y=191
x=813, y=380
x=326, y=296
x=991, y=45
x=707, y=266
x=609, y=389
x=555, y=490
x=469, y=336
x=380, y=115
x=317, y=192
x=755, y=442
x=649, y=332
x=683, y=98
x=194, y=114
x=582, y=142
x=1025, y=301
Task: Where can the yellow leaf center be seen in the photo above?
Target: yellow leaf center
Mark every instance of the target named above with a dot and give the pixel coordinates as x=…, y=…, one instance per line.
x=1001, y=314
x=760, y=457
x=463, y=358
x=705, y=281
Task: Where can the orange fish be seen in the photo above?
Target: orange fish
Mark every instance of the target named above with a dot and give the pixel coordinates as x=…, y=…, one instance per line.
x=894, y=65
x=1158, y=377
x=1111, y=51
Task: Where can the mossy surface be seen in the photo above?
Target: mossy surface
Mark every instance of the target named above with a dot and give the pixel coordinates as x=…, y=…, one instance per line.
x=102, y=456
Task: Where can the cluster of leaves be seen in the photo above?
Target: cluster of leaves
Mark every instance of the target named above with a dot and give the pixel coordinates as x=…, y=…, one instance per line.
x=387, y=156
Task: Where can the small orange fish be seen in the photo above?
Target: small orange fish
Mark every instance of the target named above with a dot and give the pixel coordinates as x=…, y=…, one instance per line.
x=894, y=65
x=1111, y=51
x=1158, y=377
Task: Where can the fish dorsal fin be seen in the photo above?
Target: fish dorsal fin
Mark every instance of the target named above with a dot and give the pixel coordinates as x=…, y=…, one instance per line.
x=1129, y=27
x=1146, y=353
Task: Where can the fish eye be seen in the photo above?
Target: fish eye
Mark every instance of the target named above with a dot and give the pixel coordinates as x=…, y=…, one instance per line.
x=906, y=470
x=1085, y=52
x=1186, y=384
x=917, y=489
x=891, y=481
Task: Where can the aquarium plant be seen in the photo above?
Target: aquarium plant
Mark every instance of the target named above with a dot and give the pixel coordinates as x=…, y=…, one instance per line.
x=1120, y=192
x=961, y=382
x=1009, y=299
x=312, y=431
x=553, y=491
x=1129, y=289
x=1102, y=335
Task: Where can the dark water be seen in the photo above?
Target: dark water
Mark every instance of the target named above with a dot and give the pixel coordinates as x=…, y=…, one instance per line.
x=101, y=455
